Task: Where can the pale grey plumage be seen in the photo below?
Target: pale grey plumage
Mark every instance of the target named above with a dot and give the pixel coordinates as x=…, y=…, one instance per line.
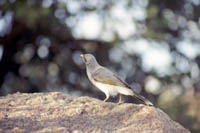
x=107, y=81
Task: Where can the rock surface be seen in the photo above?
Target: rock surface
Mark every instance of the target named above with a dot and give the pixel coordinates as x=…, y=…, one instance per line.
x=58, y=112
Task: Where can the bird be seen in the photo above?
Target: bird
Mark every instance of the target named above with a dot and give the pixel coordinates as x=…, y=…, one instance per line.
x=107, y=81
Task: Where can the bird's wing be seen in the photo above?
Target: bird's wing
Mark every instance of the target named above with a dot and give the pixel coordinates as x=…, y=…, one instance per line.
x=104, y=75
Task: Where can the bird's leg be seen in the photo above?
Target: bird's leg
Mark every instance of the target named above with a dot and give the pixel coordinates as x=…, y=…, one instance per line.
x=107, y=97
x=120, y=99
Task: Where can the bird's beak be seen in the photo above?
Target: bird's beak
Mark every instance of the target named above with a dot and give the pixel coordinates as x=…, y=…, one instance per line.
x=83, y=57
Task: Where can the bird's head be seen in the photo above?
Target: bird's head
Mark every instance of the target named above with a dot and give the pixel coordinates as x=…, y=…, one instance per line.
x=88, y=58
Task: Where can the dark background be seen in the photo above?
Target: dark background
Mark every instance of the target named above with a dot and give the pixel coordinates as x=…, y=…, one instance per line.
x=153, y=44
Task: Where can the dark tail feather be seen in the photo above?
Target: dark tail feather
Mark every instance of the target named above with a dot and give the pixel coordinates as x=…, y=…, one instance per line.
x=141, y=98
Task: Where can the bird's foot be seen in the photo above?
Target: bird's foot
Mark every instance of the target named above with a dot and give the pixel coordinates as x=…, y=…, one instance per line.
x=120, y=102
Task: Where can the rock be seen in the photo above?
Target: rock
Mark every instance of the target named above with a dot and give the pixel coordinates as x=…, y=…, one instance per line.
x=58, y=112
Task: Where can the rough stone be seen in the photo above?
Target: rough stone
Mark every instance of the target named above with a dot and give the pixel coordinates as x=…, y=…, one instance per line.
x=58, y=112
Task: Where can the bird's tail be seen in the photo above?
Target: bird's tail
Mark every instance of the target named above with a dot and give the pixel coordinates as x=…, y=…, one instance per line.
x=143, y=99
